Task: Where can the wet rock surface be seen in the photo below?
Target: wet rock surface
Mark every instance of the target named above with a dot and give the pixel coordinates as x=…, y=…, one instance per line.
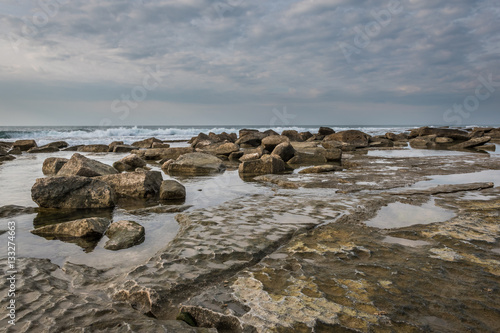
x=303, y=257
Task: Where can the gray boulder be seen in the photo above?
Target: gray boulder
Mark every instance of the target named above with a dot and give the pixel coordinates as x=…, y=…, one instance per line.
x=89, y=227
x=272, y=141
x=124, y=234
x=80, y=165
x=52, y=165
x=24, y=145
x=94, y=149
x=267, y=164
x=172, y=190
x=72, y=192
x=129, y=163
x=284, y=151
x=137, y=184
x=196, y=164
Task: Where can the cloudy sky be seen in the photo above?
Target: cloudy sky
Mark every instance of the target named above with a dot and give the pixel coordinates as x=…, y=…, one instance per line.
x=200, y=62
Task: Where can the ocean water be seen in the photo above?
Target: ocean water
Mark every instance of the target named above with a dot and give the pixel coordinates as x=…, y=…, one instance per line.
x=75, y=135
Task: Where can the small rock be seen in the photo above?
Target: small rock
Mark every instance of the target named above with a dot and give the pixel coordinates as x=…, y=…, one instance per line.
x=124, y=234
x=320, y=169
x=89, y=227
x=172, y=190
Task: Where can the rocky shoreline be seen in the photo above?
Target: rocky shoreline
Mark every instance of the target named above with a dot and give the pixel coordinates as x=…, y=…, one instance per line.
x=301, y=258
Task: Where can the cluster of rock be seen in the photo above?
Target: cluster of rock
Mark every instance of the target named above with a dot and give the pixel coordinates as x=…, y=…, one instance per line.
x=453, y=139
x=83, y=183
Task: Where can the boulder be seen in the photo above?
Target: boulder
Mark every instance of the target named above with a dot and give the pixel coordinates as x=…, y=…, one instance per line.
x=196, y=164
x=172, y=190
x=123, y=149
x=272, y=141
x=312, y=156
x=124, y=234
x=113, y=144
x=52, y=165
x=267, y=164
x=89, y=227
x=128, y=163
x=7, y=158
x=320, y=169
x=494, y=133
x=72, y=148
x=284, y=151
x=222, y=137
x=381, y=142
x=245, y=131
x=162, y=153
x=137, y=184
x=304, y=136
x=44, y=149
x=221, y=148
x=270, y=132
x=72, y=192
x=80, y=165
x=325, y=131
x=354, y=138
x=293, y=135
x=57, y=144
x=160, y=145
x=423, y=142
x=333, y=154
x=24, y=145
x=471, y=143
x=201, y=137
x=396, y=137
x=251, y=139
x=236, y=156
x=250, y=157
x=455, y=134
x=490, y=147
x=146, y=143
x=94, y=149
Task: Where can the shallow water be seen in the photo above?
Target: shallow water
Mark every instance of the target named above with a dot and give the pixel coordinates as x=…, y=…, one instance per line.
x=460, y=178
x=398, y=215
x=405, y=242
x=18, y=176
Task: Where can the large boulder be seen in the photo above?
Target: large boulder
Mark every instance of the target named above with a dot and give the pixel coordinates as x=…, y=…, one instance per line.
x=309, y=157
x=72, y=192
x=156, y=154
x=251, y=139
x=89, y=227
x=455, y=134
x=94, y=149
x=396, y=137
x=293, y=135
x=221, y=148
x=353, y=138
x=284, y=151
x=57, y=144
x=272, y=141
x=52, y=165
x=146, y=143
x=325, y=131
x=80, y=165
x=113, y=144
x=129, y=163
x=172, y=190
x=24, y=145
x=196, y=164
x=138, y=184
x=267, y=164
x=124, y=234
x=43, y=149
x=471, y=143
x=123, y=149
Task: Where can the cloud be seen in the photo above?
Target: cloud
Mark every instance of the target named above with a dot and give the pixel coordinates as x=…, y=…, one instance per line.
x=282, y=52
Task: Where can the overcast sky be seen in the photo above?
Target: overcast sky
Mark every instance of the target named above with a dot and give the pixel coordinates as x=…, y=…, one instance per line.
x=199, y=62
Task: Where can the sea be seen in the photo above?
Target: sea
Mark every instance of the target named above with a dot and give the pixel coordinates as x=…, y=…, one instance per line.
x=76, y=135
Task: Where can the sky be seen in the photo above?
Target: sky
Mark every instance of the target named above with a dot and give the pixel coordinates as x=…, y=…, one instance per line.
x=242, y=62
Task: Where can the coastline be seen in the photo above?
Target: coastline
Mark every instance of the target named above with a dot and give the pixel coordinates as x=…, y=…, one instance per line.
x=286, y=251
